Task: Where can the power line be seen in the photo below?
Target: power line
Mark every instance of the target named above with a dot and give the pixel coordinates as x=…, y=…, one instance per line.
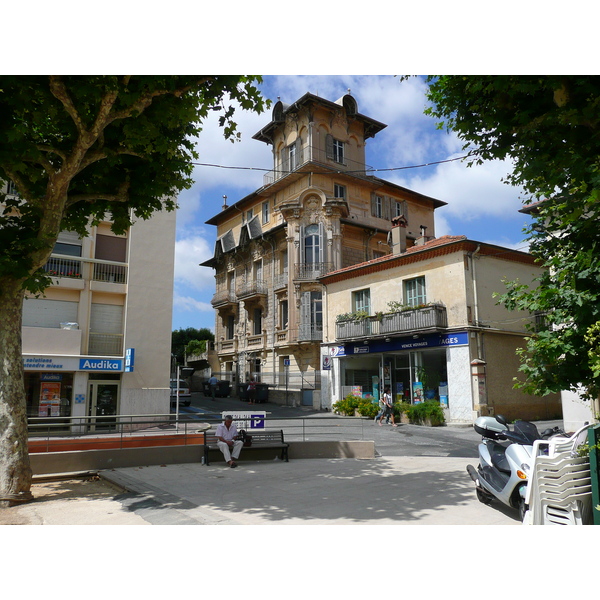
x=429, y=164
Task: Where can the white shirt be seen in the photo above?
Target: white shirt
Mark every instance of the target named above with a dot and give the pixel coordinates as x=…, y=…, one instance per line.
x=226, y=434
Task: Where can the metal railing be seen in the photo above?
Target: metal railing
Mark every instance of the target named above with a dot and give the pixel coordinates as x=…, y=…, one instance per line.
x=124, y=428
x=60, y=265
x=430, y=317
x=308, y=154
x=105, y=344
x=312, y=270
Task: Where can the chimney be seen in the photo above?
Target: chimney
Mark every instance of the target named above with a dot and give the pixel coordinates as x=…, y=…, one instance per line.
x=399, y=234
x=422, y=240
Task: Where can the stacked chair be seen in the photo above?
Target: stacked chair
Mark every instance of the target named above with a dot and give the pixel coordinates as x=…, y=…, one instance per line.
x=560, y=488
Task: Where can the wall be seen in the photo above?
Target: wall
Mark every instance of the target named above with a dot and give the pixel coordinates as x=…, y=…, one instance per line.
x=149, y=314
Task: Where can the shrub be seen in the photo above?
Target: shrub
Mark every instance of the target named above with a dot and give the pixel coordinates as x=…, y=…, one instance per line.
x=347, y=406
x=401, y=408
x=368, y=408
x=426, y=411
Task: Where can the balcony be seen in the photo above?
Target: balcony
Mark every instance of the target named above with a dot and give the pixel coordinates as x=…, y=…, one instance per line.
x=69, y=267
x=432, y=317
x=311, y=154
x=223, y=297
x=281, y=281
x=310, y=332
x=311, y=271
x=105, y=344
x=257, y=287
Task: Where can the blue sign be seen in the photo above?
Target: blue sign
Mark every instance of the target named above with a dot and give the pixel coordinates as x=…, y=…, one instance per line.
x=100, y=364
x=129, y=360
x=433, y=340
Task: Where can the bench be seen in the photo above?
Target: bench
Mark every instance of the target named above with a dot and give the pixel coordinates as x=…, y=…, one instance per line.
x=260, y=440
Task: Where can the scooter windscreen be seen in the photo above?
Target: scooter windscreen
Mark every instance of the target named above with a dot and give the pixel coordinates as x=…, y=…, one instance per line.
x=528, y=431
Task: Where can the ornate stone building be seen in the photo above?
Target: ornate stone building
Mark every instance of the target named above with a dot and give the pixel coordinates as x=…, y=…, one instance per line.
x=319, y=210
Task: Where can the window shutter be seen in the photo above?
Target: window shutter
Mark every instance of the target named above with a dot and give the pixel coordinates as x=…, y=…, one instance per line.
x=106, y=318
x=304, y=329
x=329, y=146
x=39, y=312
x=385, y=209
x=322, y=244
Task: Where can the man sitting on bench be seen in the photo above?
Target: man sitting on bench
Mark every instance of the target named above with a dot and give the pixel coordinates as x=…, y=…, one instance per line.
x=228, y=444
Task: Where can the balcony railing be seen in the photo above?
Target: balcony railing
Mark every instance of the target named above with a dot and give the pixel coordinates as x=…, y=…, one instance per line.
x=312, y=270
x=257, y=287
x=281, y=280
x=417, y=319
x=59, y=265
x=310, y=333
x=105, y=344
x=223, y=297
x=312, y=154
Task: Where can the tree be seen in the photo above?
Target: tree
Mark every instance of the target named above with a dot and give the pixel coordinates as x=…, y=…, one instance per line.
x=180, y=338
x=549, y=126
x=77, y=148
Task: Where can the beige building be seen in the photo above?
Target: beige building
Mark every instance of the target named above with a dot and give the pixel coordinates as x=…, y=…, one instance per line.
x=318, y=211
x=98, y=342
x=424, y=321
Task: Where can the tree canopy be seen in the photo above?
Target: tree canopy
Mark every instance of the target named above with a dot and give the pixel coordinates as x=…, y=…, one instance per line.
x=549, y=127
x=78, y=148
x=181, y=338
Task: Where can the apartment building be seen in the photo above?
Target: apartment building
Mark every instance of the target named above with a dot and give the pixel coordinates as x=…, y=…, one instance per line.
x=98, y=342
x=424, y=321
x=318, y=211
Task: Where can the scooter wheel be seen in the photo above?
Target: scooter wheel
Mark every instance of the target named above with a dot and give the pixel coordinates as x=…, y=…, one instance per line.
x=483, y=497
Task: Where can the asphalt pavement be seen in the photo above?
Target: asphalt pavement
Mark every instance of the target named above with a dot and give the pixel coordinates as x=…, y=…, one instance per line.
x=418, y=477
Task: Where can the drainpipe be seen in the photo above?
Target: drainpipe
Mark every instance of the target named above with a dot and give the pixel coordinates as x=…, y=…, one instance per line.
x=475, y=299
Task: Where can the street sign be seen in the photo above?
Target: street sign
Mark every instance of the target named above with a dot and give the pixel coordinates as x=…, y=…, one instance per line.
x=247, y=419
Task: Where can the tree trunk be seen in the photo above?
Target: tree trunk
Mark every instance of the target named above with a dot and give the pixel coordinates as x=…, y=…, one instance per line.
x=15, y=469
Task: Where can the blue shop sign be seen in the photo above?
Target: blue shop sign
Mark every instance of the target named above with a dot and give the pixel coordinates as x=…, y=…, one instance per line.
x=434, y=340
x=100, y=364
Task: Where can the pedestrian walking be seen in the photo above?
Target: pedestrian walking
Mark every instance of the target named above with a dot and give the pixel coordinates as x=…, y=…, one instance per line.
x=252, y=391
x=212, y=384
x=388, y=409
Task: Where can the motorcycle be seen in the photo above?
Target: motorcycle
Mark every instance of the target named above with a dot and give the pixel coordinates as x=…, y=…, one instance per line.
x=503, y=468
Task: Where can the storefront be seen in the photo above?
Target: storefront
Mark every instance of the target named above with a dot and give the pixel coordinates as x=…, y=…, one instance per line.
x=419, y=368
x=72, y=386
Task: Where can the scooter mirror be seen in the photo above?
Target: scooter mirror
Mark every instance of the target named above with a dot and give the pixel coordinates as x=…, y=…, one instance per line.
x=502, y=420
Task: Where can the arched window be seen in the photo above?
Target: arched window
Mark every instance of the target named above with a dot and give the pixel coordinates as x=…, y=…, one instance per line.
x=312, y=245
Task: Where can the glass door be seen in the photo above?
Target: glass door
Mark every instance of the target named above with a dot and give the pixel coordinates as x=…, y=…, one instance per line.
x=104, y=402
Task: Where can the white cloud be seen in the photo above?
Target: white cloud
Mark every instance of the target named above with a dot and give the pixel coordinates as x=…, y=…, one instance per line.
x=470, y=192
x=189, y=253
x=189, y=304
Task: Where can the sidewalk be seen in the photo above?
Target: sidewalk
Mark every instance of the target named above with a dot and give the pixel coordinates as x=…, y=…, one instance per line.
x=387, y=490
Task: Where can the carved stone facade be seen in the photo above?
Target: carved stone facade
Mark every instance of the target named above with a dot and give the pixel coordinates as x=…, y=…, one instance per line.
x=318, y=211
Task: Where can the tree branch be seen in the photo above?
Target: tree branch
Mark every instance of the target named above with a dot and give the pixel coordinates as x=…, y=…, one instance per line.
x=59, y=91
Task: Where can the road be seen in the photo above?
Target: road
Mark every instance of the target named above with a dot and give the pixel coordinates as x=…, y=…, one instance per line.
x=459, y=441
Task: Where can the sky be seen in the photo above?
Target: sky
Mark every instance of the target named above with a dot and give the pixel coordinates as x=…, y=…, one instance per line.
x=479, y=204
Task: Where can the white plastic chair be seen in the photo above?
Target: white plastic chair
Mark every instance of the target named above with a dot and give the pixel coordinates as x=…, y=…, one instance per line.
x=559, y=491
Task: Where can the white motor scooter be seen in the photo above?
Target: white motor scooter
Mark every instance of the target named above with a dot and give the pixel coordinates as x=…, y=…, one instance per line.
x=505, y=458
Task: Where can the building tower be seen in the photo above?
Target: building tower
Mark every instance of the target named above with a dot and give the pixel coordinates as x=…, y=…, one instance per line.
x=319, y=210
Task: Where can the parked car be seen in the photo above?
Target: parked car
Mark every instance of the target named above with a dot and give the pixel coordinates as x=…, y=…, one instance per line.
x=184, y=392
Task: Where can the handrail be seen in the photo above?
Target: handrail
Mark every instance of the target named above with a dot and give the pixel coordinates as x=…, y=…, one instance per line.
x=123, y=427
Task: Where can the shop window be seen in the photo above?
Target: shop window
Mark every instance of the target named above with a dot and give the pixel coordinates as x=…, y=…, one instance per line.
x=49, y=394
